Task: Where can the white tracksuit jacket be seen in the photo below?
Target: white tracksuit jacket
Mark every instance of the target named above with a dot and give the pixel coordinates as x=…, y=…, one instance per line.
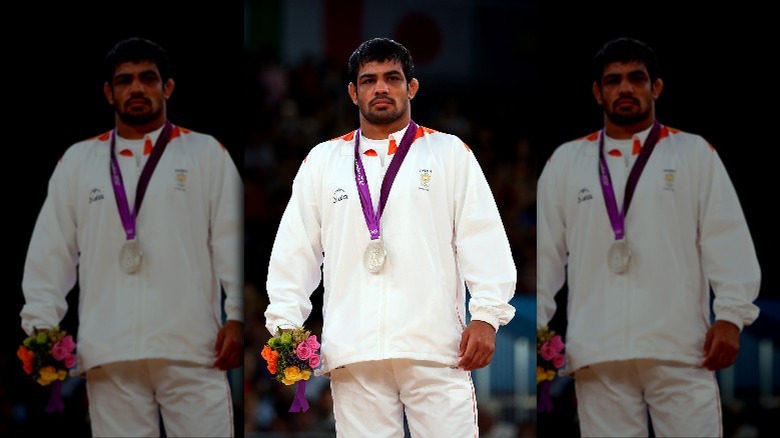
x=686, y=231
x=440, y=227
x=189, y=229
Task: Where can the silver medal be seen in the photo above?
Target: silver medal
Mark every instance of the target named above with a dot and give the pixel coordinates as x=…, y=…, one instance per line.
x=374, y=256
x=619, y=256
x=130, y=256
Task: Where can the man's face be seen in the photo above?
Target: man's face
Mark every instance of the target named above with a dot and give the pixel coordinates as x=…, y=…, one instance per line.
x=382, y=93
x=626, y=92
x=138, y=93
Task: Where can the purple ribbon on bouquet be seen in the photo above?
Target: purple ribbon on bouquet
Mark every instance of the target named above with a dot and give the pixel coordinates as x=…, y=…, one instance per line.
x=55, y=398
x=545, y=402
x=299, y=403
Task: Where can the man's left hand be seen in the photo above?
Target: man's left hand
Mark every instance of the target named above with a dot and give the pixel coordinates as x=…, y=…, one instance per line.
x=477, y=345
x=230, y=345
x=721, y=345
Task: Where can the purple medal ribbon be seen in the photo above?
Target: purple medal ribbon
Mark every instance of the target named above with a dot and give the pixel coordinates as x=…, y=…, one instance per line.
x=55, y=398
x=128, y=216
x=372, y=217
x=545, y=403
x=299, y=403
x=616, y=217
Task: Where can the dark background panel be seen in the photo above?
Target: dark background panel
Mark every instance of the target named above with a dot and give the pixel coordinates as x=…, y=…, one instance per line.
x=53, y=82
x=716, y=63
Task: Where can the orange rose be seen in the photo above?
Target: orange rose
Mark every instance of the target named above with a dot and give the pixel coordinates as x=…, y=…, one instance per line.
x=26, y=357
x=266, y=353
x=272, y=357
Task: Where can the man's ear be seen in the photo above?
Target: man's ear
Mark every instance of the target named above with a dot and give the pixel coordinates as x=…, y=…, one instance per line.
x=168, y=88
x=352, y=92
x=414, y=86
x=597, y=93
x=108, y=93
x=657, y=88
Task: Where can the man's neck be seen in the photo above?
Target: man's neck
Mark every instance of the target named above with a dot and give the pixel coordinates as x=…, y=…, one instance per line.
x=623, y=132
x=134, y=132
x=381, y=132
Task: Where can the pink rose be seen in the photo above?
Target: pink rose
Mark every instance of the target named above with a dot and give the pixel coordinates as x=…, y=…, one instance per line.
x=70, y=360
x=303, y=351
x=68, y=344
x=58, y=351
x=312, y=343
x=556, y=343
x=558, y=361
x=547, y=351
x=314, y=361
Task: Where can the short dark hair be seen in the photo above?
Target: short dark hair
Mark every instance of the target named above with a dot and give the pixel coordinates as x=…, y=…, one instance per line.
x=136, y=50
x=380, y=50
x=625, y=50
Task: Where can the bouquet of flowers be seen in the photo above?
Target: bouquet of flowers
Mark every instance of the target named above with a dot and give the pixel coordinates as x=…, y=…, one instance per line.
x=292, y=357
x=46, y=357
x=549, y=359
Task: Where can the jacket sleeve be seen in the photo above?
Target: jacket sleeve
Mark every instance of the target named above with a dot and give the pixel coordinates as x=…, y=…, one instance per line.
x=294, y=269
x=226, y=200
x=728, y=256
x=481, y=244
x=551, y=251
x=52, y=258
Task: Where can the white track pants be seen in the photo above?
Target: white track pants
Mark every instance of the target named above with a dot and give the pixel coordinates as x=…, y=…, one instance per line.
x=614, y=398
x=124, y=398
x=369, y=399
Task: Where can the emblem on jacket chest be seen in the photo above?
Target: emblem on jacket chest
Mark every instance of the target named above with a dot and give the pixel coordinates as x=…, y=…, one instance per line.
x=339, y=195
x=584, y=195
x=425, y=179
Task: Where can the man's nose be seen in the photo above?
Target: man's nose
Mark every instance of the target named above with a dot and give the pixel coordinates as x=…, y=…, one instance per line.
x=626, y=87
x=381, y=87
x=136, y=86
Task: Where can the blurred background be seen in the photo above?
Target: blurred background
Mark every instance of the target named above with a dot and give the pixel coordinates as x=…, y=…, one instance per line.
x=475, y=61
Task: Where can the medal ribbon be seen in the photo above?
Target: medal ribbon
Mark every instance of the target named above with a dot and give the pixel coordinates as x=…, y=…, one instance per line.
x=371, y=216
x=299, y=403
x=617, y=218
x=128, y=216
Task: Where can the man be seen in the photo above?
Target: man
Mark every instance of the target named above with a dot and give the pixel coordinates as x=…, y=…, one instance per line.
x=147, y=217
x=398, y=216
x=643, y=220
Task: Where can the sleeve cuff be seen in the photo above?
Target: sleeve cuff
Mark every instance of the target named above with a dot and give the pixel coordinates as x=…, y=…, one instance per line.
x=488, y=318
x=732, y=318
x=282, y=324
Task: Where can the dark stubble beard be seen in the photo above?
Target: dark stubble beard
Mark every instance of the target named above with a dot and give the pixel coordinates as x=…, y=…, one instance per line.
x=139, y=118
x=628, y=119
x=383, y=117
x=631, y=118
